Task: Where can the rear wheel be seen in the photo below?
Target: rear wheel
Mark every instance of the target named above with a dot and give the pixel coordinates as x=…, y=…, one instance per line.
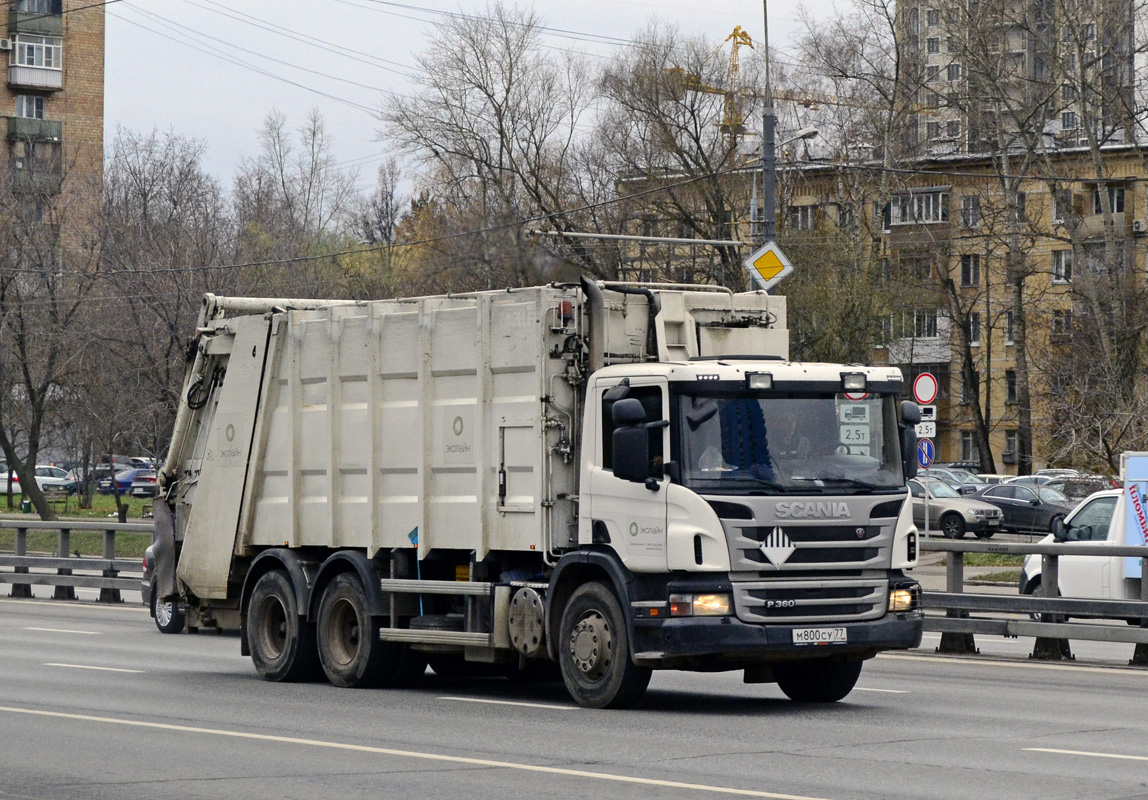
x=169, y=617
x=594, y=651
x=817, y=680
x=282, y=643
x=953, y=526
x=349, y=646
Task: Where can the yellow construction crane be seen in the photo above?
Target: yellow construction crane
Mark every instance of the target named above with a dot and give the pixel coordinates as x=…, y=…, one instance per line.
x=733, y=120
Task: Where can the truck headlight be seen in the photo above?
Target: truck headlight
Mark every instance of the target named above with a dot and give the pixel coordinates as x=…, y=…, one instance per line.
x=699, y=605
x=905, y=597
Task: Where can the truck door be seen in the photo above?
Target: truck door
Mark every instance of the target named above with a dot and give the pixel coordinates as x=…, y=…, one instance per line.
x=1089, y=576
x=630, y=517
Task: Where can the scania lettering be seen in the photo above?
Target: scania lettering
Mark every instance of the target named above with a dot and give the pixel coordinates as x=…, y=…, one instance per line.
x=590, y=480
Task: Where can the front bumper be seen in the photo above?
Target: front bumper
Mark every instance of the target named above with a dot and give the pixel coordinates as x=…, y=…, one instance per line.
x=721, y=643
x=982, y=524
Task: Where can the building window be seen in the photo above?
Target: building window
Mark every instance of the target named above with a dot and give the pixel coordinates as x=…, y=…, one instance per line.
x=1061, y=266
x=925, y=323
x=954, y=44
x=933, y=45
x=1010, y=386
x=932, y=73
x=934, y=130
x=46, y=52
x=974, y=326
x=953, y=129
x=802, y=218
x=54, y=7
x=1009, y=320
x=922, y=207
x=1061, y=322
x=1068, y=120
x=1021, y=213
x=29, y=106
x=966, y=390
x=1011, y=442
x=845, y=217
x=1061, y=205
x=970, y=211
x=953, y=100
x=954, y=72
x=1088, y=32
x=969, y=449
x=971, y=270
x=933, y=17
x=933, y=98
x=1067, y=94
x=1115, y=199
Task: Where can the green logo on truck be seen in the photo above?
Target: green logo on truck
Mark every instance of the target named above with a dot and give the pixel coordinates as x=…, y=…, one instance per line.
x=633, y=529
x=458, y=426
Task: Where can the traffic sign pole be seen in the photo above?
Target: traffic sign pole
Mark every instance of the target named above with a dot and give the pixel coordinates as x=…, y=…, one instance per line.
x=925, y=455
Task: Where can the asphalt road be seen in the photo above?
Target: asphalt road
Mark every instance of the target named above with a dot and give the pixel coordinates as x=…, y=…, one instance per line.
x=95, y=703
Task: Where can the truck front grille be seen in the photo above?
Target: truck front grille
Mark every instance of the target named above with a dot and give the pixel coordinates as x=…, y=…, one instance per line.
x=814, y=546
x=812, y=601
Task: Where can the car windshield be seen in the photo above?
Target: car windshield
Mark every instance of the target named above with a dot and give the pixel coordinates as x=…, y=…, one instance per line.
x=941, y=489
x=1050, y=495
x=788, y=442
x=966, y=477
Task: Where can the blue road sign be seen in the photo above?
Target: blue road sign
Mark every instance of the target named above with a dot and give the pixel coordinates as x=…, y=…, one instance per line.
x=925, y=453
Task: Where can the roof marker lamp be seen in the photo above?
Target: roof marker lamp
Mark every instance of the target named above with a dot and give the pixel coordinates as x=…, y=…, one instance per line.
x=853, y=381
x=761, y=381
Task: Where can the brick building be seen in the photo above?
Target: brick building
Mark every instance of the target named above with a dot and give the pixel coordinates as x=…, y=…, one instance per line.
x=54, y=100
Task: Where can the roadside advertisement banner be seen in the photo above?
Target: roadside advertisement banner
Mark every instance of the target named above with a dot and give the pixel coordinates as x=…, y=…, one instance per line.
x=1134, y=471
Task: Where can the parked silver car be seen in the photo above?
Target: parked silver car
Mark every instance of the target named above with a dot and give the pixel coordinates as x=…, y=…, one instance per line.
x=951, y=512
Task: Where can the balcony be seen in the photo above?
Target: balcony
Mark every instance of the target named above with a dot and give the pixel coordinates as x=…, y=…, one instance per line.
x=36, y=130
x=33, y=182
x=35, y=23
x=35, y=78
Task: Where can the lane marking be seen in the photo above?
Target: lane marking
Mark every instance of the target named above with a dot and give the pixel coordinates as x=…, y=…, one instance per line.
x=509, y=703
x=886, y=691
x=102, y=669
x=1084, y=753
x=981, y=662
x=386, y=751
x=62, y=630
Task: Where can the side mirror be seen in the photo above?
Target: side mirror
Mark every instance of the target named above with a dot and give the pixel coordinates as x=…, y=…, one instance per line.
x=909, y=451
x=1034, y=503
x=910, y=412
x=1059, y=531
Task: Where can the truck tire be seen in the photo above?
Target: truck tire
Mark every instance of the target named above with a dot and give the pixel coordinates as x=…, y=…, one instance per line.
x=349, y=648
x=169, y=617
x=594, y=651
x=282, y=644
x=817, y=680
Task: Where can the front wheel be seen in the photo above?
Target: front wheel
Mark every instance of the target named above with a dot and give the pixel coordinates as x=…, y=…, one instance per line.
x=169, y=617
x=594, y=651
x=953, y=526
x=282, y=643
x=817, y=680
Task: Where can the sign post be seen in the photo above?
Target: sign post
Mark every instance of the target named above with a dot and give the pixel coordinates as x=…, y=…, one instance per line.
x=925, y=455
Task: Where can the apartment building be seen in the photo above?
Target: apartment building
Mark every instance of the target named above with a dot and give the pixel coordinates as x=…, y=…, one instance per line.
x=54, y=100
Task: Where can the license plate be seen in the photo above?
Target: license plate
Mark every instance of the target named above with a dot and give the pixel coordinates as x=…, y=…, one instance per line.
x=819, y=636
x=993, y=522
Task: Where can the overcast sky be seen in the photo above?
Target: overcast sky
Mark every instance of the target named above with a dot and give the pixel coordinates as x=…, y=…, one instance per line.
x=212, y=70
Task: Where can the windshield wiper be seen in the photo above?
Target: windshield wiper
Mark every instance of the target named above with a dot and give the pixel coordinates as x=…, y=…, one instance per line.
x=862, y=485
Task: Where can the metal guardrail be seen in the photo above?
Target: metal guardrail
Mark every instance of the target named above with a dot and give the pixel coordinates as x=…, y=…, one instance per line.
x=66, y=571
x=957, y=627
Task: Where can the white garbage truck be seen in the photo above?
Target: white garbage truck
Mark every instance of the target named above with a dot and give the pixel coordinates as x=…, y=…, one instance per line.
x=592, y=479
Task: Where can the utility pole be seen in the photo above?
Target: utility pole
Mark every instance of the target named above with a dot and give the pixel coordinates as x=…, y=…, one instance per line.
x=768, y=146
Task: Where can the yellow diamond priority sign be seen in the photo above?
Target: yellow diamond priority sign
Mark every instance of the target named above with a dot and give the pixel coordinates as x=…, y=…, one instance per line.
x=767, y=265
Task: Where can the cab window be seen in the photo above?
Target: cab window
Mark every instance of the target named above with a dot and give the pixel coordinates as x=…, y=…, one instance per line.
x=1091, y=523
x=651, y=399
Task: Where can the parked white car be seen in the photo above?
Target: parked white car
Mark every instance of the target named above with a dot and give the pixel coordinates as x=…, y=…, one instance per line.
x=46, y=476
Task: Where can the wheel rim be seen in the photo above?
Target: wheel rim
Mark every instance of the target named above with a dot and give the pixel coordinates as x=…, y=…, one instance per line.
x=163, y=613
x=950, y=527
x=272, y=627
x=344, y=629
x=591, y=645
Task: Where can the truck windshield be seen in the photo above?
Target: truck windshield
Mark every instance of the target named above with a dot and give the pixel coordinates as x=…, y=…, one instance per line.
x=791, y=443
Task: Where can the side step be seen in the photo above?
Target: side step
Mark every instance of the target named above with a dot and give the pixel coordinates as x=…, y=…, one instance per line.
x=435, y=637
x=407, y=586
